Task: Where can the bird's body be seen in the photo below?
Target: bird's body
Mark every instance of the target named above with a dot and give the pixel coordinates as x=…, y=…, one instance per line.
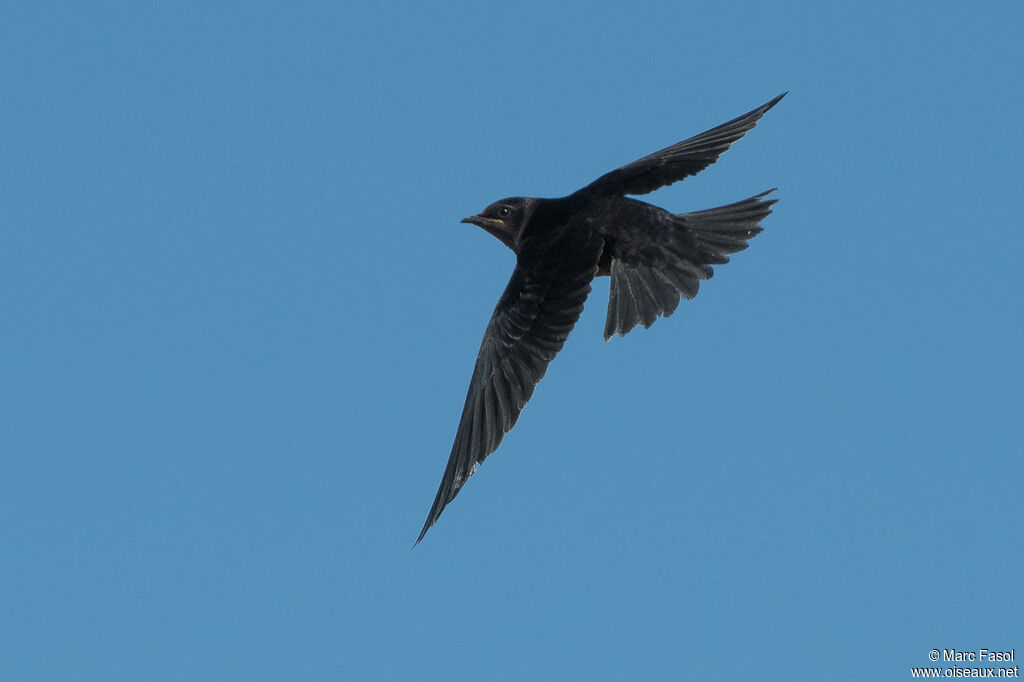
x=653, y=257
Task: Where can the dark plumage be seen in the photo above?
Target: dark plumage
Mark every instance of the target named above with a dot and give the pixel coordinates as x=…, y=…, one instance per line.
x=652, y=256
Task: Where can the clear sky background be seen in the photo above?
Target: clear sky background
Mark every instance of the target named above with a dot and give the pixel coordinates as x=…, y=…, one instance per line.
x=239, y=316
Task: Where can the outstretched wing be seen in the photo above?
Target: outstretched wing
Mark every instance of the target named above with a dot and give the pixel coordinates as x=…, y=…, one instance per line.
x=530, y=324
x=679, y=161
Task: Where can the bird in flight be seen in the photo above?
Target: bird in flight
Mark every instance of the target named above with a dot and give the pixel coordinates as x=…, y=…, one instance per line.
x=652, y=256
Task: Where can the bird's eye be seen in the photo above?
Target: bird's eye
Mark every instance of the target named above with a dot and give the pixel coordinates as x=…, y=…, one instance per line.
x=504, y=211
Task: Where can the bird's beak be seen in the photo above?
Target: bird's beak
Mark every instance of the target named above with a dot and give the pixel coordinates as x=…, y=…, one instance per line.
x=496, y=227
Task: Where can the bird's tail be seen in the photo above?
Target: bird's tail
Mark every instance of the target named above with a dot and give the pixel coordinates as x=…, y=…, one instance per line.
x=727, y=229
x=641, y=291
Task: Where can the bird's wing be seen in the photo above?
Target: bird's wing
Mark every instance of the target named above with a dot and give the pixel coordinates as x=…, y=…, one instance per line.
x=679, y=161
x=530, y=324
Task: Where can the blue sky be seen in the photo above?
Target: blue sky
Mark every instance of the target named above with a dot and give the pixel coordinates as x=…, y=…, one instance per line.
x=240, y=315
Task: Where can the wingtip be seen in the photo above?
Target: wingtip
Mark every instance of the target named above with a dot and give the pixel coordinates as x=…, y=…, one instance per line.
x=774, y=101
x=426, y=527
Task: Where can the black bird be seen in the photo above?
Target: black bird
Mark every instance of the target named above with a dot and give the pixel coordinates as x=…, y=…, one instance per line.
x=652, y=256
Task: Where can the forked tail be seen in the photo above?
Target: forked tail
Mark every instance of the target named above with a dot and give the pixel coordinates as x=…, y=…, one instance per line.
x=641, y=291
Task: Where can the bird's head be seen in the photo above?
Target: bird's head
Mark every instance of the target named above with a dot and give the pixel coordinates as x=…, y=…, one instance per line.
x=505, y=219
